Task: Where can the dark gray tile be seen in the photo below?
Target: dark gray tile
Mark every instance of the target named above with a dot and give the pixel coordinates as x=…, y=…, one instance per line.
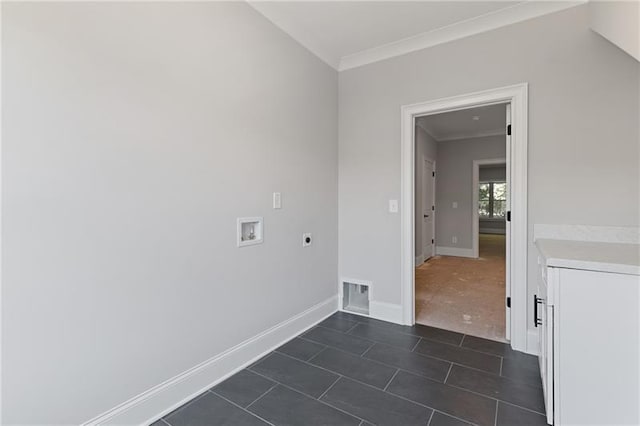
x=210, y=409
x=440, y=419
x=158, y=423
x=338, y=340
x=429, y=367
x=388, y=326
x=301, y=349
x=381, y=335
x=375, y=406
x=282, y=406
x=497, y=387
x=297, y=374
x=485, y=345
x=339, y=324
x=509, y=415
x=456, y=402
x=459, y=355
x=438, y=334
x=346, y=364
x=520, y=371
x=243, y=387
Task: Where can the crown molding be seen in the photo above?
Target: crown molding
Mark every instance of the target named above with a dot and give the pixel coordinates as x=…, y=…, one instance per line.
x=427, y=131
x=509, y=15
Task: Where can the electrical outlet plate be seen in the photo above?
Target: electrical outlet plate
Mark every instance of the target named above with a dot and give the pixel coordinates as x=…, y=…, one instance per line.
x=307, y=239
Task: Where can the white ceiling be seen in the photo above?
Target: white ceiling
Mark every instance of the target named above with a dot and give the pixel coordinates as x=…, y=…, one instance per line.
x=457, y=125
x=346, y=34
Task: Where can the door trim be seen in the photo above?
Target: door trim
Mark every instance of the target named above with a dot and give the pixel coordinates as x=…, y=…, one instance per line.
x=426, y=159
x=516, y=96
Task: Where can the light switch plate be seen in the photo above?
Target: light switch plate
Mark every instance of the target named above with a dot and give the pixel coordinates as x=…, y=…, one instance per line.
x=277, y=200
x=393, y=206
x=455, y=204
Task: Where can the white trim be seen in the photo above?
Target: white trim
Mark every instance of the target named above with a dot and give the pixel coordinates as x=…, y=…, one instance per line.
x=479, y=24
x=433, y=213
x=154, y=403
x=420, y=259
x=454, y=251
x=385, y=311
x=475, y=219
x=517, y=97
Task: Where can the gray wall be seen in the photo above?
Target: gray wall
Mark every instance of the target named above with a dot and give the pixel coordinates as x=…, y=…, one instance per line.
x=427, y=147
x=454, y=183
x=583, y=116
x=492, y=173
x=134, y=135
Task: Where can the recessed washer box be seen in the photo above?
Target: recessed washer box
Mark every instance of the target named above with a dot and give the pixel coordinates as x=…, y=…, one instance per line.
x=250, y=231
x=356, y=296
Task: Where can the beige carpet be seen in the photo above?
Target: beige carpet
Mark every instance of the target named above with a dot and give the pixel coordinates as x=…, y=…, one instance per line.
x=463, y=294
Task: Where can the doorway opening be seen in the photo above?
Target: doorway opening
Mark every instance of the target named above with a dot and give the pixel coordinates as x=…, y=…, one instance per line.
x=461, y=226
x=466, y=215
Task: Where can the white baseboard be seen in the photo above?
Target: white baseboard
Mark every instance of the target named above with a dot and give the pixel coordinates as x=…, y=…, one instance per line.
x=492, y=231
x=419, y=259
x=154, y=403
x=385, y=311
x=532, y=342
x=454, y=251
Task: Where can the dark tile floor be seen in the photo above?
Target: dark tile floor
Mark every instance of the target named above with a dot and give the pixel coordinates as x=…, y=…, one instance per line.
x=352, y=370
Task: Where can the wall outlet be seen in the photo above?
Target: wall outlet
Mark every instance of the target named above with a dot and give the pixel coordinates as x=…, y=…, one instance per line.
x=277, y=200
x=454, y=240
x=455, y=205
x=393, y=206
x=307, y=239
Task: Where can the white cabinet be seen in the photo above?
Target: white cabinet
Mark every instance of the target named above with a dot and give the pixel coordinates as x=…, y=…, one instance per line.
x=588, y=324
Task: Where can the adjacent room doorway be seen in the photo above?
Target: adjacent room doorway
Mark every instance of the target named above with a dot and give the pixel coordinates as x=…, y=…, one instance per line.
x=515, y=240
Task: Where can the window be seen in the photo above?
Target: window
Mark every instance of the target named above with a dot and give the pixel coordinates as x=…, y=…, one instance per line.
x=492, y=200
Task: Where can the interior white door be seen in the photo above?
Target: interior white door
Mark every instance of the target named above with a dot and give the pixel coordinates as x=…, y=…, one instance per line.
x=508, y=228
x=428, y=185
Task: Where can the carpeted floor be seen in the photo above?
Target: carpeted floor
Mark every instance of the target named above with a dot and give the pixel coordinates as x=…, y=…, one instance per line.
x=465, y=295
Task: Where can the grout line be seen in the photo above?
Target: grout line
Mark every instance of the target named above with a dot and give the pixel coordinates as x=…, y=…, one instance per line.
x=495, y=421
x=165, y=422
x=431, y=417
x=448, y=372
x=416, y=345
x=391, y=380
x=240, y=407
x=501, y=362
x=524, y=408
x=351, y=329
x=362, y=355
x=263, y=394
x=314, y=356
x=329, y=388
x=314, y=398
x=462, y=341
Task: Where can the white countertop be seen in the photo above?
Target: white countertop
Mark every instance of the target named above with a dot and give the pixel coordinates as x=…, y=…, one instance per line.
x=622, y=258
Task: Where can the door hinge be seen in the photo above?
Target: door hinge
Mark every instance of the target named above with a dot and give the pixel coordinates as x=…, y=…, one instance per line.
x=433, y=207
x=432, y=241
x=509, y=216
x=509, y=130
x=508, y=302
x=433, y=174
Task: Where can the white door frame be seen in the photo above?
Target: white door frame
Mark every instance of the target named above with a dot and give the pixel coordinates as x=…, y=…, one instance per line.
x=516, y=96
x=475, y=244
x=426, y=159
